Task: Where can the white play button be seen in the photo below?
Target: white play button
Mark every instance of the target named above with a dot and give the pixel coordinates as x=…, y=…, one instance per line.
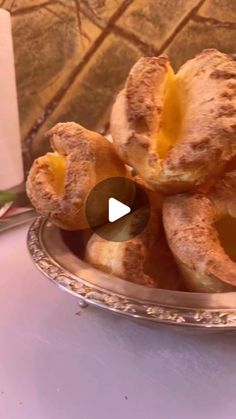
x=110, y=206
x=116, y=210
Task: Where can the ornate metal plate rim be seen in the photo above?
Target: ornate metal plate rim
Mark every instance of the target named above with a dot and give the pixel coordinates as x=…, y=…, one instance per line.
x=219, y=319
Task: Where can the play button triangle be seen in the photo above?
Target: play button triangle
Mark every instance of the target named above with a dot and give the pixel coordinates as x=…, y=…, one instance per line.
x=116, y=210
x=112, y=209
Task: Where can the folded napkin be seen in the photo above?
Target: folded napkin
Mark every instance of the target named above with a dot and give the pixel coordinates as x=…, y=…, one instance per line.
x=11, y=167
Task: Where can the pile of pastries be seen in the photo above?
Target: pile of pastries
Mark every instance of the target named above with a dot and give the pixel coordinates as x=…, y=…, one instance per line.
x=177, y=131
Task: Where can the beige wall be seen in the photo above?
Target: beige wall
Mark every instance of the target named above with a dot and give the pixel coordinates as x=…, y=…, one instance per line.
x=73, y=56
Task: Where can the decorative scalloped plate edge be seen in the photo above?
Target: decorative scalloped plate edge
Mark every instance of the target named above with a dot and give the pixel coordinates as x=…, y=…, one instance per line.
x=194, y=317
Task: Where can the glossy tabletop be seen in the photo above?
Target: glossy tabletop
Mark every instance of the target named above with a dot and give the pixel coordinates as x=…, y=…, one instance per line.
x=58, y=361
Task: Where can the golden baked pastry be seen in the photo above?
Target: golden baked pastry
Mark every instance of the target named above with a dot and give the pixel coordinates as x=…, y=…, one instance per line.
x=155, y=198
x=125, y=259
x=177, y=130
x=59, y=182
x=201, y=234
x=143, y=259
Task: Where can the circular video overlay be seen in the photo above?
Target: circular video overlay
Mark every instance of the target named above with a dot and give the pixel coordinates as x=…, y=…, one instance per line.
x=117, y=209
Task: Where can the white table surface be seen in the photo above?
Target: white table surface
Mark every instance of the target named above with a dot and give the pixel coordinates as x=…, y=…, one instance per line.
x=56, y=364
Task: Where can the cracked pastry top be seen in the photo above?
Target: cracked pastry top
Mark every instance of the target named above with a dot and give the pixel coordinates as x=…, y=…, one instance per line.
x=59, y=182
x=177, y=130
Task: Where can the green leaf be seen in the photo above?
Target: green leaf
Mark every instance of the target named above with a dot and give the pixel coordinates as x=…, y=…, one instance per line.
x=6, y=197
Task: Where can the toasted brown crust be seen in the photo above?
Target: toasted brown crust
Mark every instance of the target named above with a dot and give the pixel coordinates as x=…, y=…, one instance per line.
x=145, y=259
x=189, y=221
x=85, y=153
x=125, y=259
x=207, y=86
x=144, y=90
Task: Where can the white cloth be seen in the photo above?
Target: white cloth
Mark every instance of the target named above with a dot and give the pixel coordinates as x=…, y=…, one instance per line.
x=11, y=169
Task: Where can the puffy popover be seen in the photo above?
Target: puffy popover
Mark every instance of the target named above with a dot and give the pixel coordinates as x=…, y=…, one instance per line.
x=195, y=225
x=144, y=259
x=58, y=183
x=177, y=130
x=125, y=259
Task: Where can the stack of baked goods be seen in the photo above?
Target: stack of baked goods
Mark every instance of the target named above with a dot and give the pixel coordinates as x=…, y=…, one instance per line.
x=178, y=133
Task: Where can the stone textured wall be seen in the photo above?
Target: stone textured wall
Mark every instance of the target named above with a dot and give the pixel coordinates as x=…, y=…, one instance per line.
x=72, y=56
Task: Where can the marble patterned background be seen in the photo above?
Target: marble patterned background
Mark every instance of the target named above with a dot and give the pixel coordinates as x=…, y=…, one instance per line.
x=72, y=56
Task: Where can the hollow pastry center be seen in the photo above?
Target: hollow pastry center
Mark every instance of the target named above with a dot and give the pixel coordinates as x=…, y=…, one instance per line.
x=57, y=166
x=226, y=228
x=171, y=119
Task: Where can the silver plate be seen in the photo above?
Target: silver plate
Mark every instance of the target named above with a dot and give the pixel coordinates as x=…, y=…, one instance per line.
x=52, y=256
